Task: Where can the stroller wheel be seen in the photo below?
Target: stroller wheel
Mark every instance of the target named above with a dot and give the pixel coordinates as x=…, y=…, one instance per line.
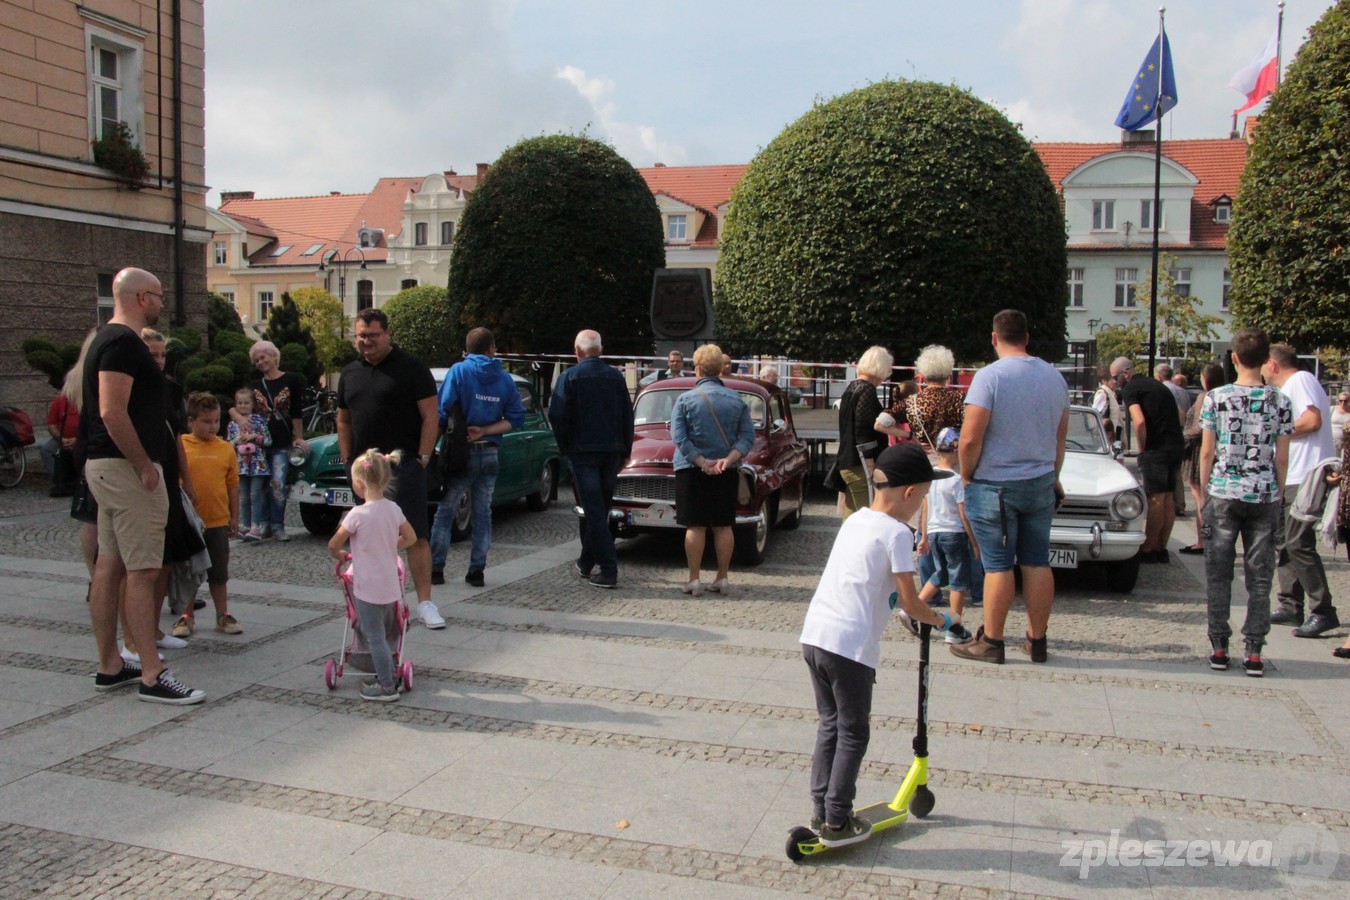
x=330, y=673
x=406, y=673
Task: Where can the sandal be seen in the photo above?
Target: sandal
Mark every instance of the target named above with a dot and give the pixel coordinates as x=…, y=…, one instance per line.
x=1192, y=551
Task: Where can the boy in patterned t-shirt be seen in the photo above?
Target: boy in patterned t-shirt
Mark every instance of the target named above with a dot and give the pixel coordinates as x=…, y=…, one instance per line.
x=1244, y=453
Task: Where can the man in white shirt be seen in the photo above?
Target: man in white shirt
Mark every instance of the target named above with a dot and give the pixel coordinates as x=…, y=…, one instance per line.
x=1299, y=566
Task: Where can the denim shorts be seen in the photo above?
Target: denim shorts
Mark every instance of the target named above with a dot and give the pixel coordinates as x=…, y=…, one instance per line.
x=950, y=551
x=1011, y=521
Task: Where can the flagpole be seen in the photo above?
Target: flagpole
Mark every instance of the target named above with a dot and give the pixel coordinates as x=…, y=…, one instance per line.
x=1279, y=43
x=1157, y=196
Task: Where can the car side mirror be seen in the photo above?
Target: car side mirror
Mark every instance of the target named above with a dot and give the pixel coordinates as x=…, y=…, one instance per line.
x=1117, y=448
x=779, y=425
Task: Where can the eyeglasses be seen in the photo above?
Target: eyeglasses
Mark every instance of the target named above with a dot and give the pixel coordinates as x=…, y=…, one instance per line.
x=369, y=335
x=154, y=294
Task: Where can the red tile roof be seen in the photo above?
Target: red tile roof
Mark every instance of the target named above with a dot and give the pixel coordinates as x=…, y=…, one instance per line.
x=299, y=222
x=702, y=187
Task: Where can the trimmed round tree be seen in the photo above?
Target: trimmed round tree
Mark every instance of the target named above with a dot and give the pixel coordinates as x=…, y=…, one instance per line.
x=1288, y=247
x=420, y=322
x=561, y=234
x=903, y=214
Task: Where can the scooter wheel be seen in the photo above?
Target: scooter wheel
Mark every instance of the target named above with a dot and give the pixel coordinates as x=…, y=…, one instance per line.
x=406, y=673
x=923, y=802
x=799, y=835
x=330, y=673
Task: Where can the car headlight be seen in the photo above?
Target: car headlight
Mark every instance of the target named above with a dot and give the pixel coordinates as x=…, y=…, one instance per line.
x=1127, y=505
x=297, y=456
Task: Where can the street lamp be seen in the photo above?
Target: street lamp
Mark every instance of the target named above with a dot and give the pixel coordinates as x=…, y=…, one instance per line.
x=342, y=261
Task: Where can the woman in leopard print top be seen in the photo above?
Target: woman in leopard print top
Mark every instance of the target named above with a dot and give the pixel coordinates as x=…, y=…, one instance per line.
x=935, y=407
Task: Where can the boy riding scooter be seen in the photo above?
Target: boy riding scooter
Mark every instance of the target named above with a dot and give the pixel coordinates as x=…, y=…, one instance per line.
x=873, y=555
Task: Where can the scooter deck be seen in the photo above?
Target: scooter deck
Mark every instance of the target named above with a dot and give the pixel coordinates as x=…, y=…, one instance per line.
x=881, y=816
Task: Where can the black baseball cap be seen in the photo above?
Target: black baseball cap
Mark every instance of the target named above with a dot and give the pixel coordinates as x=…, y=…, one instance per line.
x=906, y=464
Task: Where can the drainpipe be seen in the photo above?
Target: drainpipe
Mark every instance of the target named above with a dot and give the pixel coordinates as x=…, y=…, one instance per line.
x=180, y=299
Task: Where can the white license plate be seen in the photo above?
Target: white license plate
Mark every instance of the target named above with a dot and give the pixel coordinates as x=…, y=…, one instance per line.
x=1063, y=558
x=658, y=515
x=339, y=497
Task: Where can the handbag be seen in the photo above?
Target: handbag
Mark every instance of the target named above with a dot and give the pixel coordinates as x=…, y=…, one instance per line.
x=743, y=494
x=452, y=453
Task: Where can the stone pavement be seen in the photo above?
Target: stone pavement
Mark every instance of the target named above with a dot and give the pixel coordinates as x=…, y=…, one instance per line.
x=638, y=742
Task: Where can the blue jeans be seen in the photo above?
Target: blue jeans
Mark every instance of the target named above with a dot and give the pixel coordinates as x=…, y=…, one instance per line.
x=254, y=506
x=280, y=461
x=927, y=567
x=479, y=480
x=1259, y=525
x=950, y=552
x=1011, y=521
x=594, y=478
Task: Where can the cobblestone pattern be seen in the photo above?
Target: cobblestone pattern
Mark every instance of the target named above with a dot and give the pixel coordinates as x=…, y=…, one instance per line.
x=35, y=862
x=597, y=850
x=201, y=640
x=1328, y=763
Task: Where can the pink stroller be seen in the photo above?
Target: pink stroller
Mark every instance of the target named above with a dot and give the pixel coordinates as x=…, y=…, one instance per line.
x=353, y=650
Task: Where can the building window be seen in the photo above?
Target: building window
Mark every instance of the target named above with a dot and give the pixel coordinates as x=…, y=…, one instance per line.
x=281, y=251
x=365, y=295
x=407, y=283
x=1227, y=286
x=1103, y=215
x=447, y=233
x=312, y=249
x=1146, y=216
x=1125, y=283
x=266, y=299
x=677, y=228
x=228, y=295
x=1075, y=288
x=114, y=83
x=105, y=298
x=1223, y=213
x=1181, y=282
x=220, y=253
x=420, y=234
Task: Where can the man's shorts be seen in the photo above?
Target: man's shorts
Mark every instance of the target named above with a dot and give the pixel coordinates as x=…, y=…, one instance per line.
x=1011, y=521
x=131, y=519
x=410, y=493
x=1158, y=470
x=218, y=548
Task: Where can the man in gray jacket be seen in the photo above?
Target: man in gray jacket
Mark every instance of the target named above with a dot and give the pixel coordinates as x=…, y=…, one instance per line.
x=592, y=419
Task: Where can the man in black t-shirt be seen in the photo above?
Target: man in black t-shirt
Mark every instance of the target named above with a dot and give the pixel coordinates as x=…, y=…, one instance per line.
x=125, y=441
x=387, y=401
x=1157, y=437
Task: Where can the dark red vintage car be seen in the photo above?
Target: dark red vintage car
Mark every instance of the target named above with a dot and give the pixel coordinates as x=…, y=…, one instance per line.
x=775, y=470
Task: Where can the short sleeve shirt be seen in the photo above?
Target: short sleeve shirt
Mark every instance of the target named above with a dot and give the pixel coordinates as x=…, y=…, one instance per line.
x=374, y=529
x=279, y=400
x=1026, y=398
x=1162, y=416
x=851, y=607
x=945, y=497
x=1246, y=421
x=383, y=402
x=1307, y=450
x=117, y=348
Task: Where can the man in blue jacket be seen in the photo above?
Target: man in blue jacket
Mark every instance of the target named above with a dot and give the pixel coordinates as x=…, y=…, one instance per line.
x=592, y=418
x=491, y=405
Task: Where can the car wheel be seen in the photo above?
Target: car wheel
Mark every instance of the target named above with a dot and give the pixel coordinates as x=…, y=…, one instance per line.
x=752, y=541
x=320, y=520
x=462, y=525
x=540, y=499
x=1121, y=576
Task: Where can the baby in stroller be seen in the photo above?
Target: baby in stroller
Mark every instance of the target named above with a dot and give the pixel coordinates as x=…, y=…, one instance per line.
x=376, y=531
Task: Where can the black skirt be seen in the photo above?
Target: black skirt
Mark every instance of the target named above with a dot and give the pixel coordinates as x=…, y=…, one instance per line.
x=705, y=501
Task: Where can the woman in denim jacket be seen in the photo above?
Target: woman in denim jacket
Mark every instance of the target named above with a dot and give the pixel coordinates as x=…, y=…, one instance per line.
x=712, y=431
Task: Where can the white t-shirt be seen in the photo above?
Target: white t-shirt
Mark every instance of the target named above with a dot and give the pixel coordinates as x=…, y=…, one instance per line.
x=943, y=514
x=849, y=611
x=1307, y=450
x=374, y=529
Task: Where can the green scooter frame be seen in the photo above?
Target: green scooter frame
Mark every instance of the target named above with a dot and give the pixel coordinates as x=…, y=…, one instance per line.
x=913, y=796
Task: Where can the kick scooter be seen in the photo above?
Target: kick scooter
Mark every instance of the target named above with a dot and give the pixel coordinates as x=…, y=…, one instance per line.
x=913, y=796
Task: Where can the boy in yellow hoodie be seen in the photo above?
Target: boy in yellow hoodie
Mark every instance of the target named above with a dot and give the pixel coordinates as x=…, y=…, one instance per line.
x=214, y=469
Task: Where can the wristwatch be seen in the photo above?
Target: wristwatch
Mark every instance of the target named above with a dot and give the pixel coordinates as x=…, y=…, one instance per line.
x=424, y=459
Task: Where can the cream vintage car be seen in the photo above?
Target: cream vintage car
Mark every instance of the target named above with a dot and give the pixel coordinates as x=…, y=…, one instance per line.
x=1101, y=520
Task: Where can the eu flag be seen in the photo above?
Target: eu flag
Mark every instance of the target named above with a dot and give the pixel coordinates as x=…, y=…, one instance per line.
x=1154, y=90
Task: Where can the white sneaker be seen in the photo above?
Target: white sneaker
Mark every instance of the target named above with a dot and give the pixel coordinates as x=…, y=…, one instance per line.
x=280, y=534
x=169, y=642
x=431, y=616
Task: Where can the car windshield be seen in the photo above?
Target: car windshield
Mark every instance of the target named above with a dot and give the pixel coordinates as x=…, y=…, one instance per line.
x=653, y=408
x=1085, y=432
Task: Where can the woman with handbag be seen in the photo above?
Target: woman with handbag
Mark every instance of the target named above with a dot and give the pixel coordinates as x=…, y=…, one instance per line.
x=922, y=416
x=859, y=439
x=712, y=431
x=1211, y=376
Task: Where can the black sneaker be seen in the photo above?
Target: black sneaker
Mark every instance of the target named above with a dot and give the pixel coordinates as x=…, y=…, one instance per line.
x=1317, y=625
x=199, y=604
x=581, y=573
x=170, y=690
x=1283, y=616
x=853, y=831
x=438, y=576
x=475, y=577
x=1218, y=660
x=130, y=674
x=602, y=581
x=1253, y=666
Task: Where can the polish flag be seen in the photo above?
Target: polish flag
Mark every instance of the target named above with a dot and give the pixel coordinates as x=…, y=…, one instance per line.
x=1258, y=78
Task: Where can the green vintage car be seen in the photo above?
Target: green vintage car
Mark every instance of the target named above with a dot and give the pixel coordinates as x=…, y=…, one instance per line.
x=530, y=466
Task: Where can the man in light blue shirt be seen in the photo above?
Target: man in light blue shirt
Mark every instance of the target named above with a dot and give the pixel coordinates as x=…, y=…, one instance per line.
x=1012, y=448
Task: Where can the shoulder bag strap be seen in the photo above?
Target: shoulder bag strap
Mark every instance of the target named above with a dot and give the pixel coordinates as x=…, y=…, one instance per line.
x=716, y=421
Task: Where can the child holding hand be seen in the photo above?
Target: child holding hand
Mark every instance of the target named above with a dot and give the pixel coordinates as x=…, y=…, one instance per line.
x=376, y=531
x=247, y=431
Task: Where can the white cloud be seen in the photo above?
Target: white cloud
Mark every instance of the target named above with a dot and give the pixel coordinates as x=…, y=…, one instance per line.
x=637, y=143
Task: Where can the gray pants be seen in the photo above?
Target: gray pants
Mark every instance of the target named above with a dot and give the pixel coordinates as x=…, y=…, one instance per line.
x=1258, y=524
x=371, y=618
x=844, y=701
x=1299, y=566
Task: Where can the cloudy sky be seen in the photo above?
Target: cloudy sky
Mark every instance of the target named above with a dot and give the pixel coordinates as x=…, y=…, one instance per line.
x=311, y=96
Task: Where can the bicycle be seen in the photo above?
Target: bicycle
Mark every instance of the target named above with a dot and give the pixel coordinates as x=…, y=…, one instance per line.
x=320, y=413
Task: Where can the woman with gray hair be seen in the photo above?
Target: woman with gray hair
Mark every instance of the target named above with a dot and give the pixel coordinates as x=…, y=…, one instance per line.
x=277, y=397
x=935, y=407
x=858, y=438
